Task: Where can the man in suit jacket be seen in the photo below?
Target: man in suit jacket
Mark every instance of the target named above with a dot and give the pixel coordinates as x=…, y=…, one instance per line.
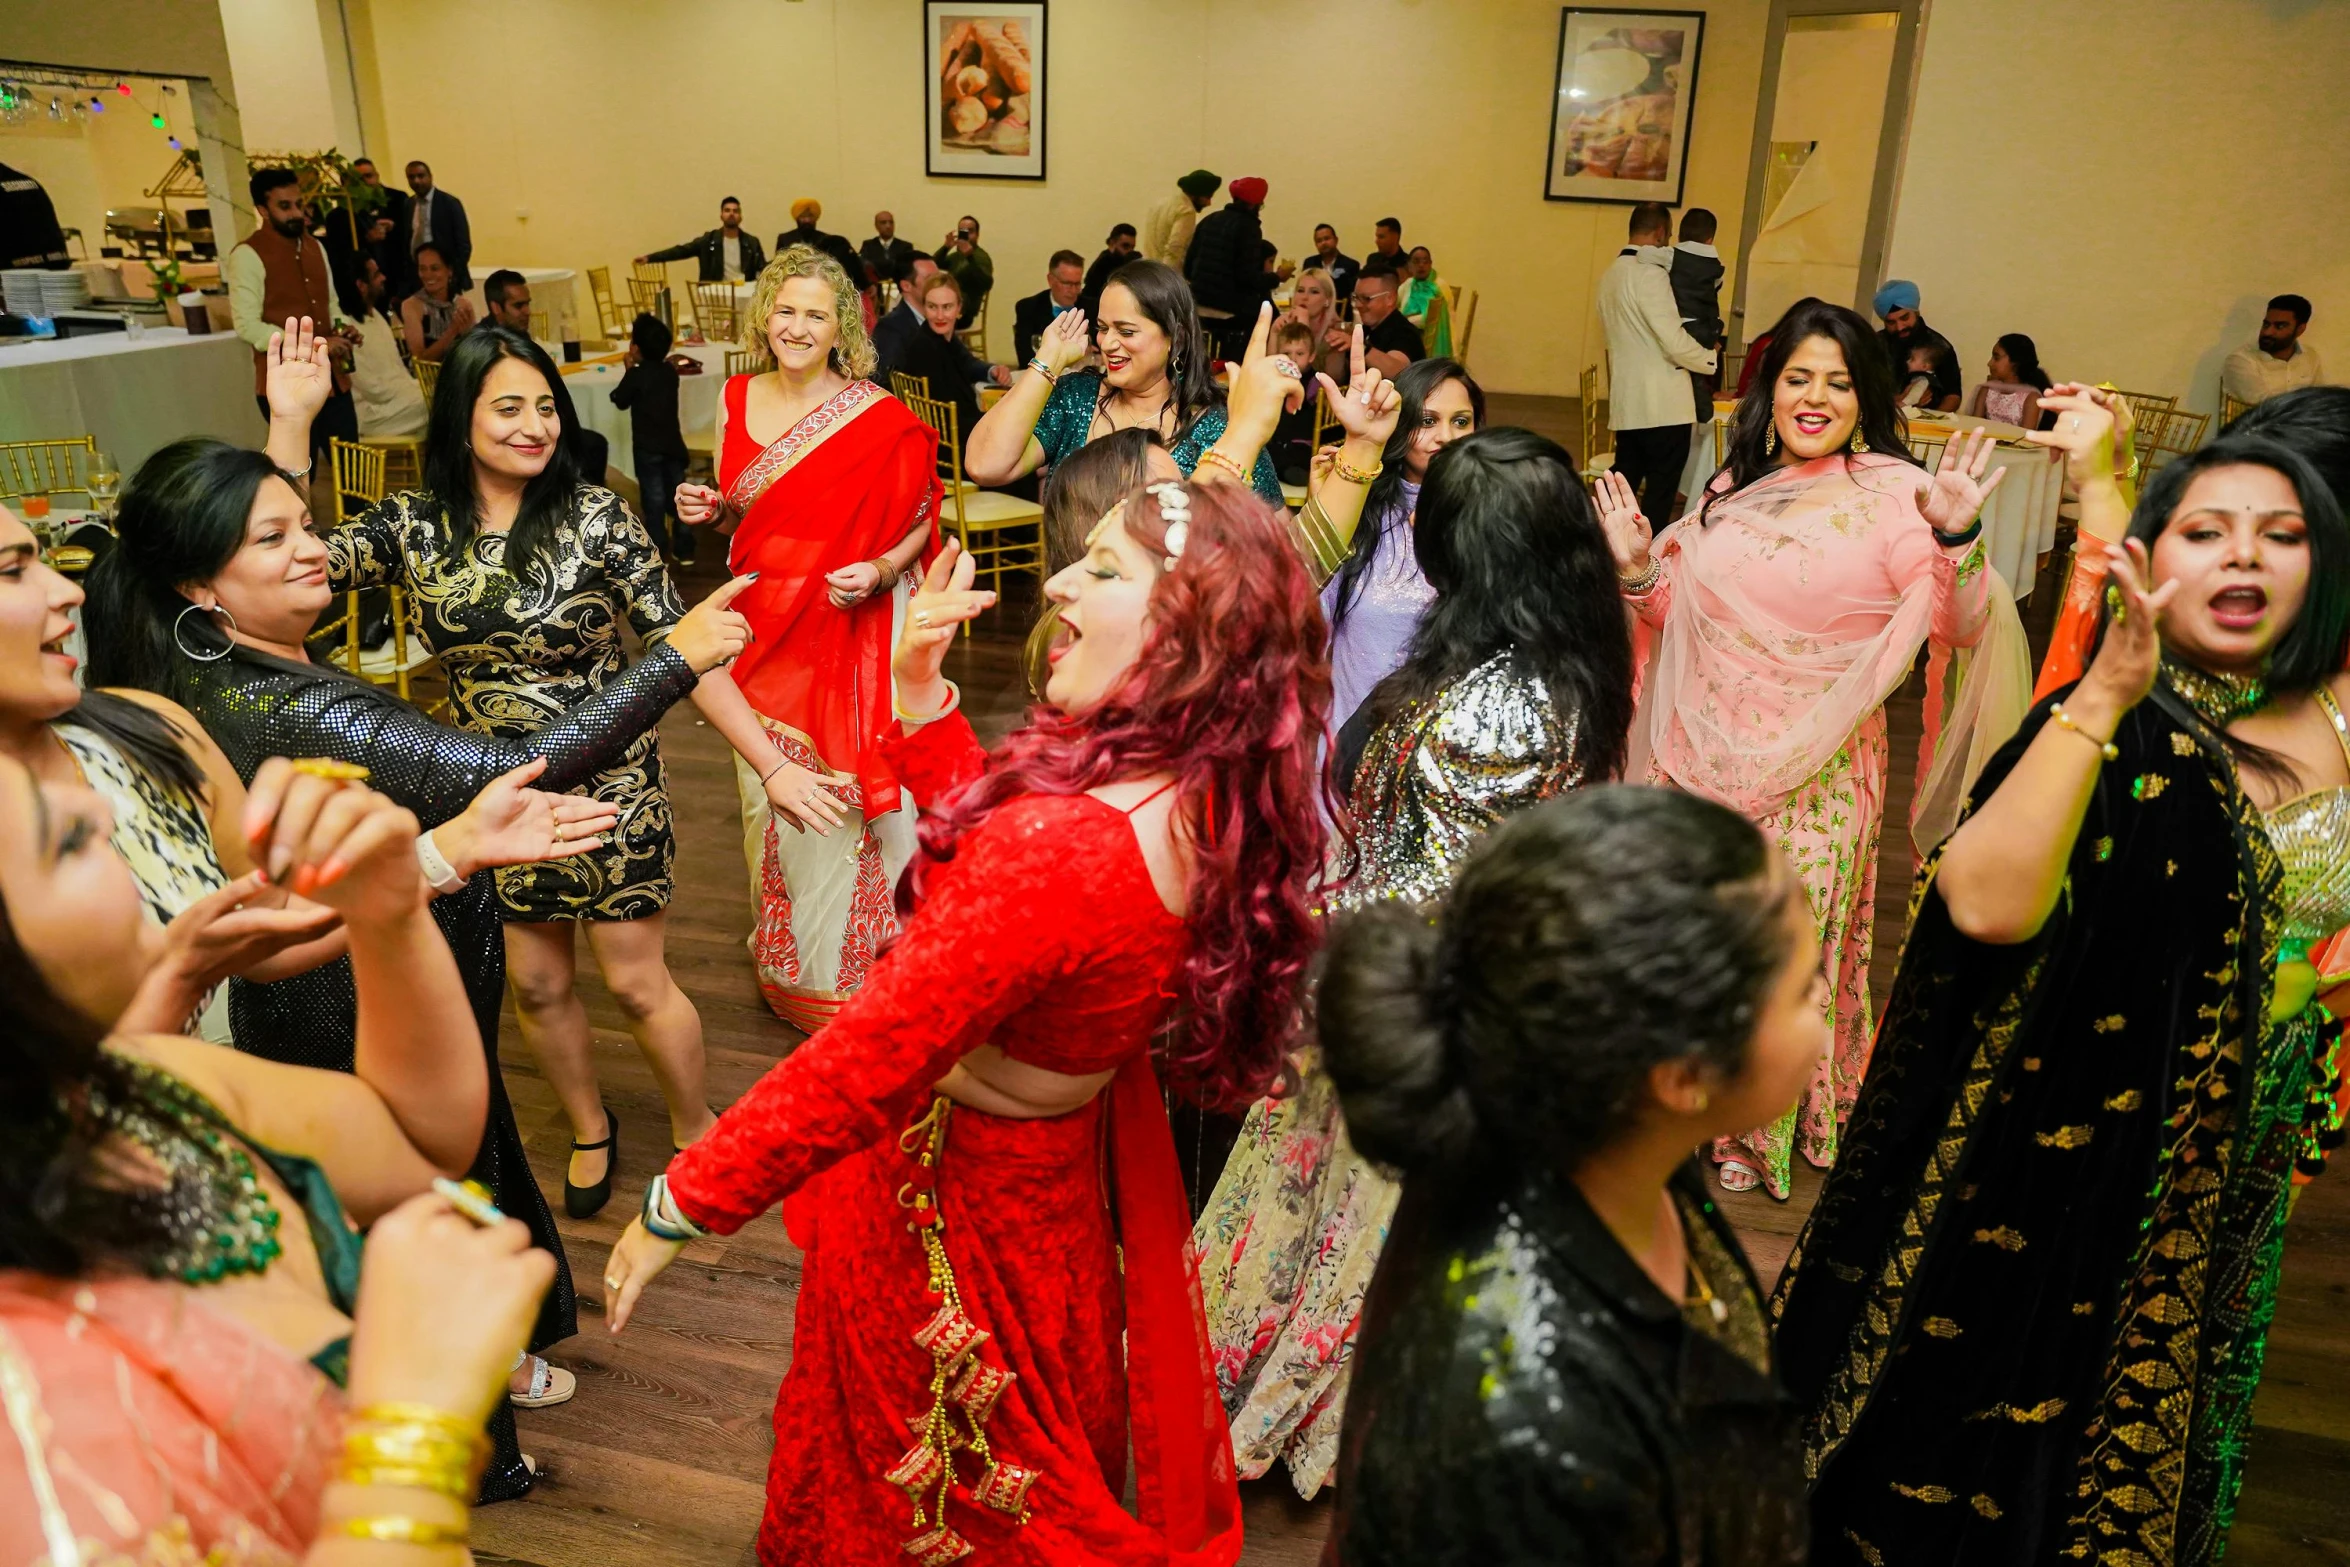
x=886, y=257
x=1064, y=281
x=385, y=233
x=726, y=254
x=437, y=218
x=804, y=213
x=896, y=330
x=1650, y=358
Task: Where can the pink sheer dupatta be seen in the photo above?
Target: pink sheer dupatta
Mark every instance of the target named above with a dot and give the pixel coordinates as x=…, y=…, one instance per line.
x=1796, y=609
x=141, y=1427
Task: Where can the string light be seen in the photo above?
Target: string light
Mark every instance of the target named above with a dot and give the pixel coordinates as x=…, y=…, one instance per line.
x=174, y=141
x=155, y=120
x=124, y=88
x=97, y=104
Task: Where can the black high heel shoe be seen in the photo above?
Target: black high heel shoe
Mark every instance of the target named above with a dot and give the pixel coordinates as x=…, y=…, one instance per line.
x=585, y=1202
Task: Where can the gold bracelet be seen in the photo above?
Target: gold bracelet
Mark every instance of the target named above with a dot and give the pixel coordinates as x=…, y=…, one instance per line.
x=451, y=1483
x=954, y=700
x=1634, y=587
x=416, y=1446
x=1211, y=455
x=395, y=1530
x=2063, y=719
x=889, y=573
x=1340, y=468
x=331, y=769
x=455, y=1427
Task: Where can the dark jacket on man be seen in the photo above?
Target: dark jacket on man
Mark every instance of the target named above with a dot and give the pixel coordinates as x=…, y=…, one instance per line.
x=708, y=252
x=951, y=373
x=1697, y=294
x=833, y=245
x=1097, y=277
x=1948, y=382
x=891, y=336
x=451, y=235
x=1227, y=261
x=1029, y=319
x=1343, y=270
x=886, y=260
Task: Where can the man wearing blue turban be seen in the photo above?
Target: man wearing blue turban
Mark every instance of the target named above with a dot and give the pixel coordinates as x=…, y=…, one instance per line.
x=1905, y=332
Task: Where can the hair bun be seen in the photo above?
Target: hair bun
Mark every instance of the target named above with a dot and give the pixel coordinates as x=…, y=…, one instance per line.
x=1382, y=1010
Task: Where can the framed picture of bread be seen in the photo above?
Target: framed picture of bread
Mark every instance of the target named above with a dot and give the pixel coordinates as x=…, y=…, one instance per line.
x=1619, y=120
x=985, y=79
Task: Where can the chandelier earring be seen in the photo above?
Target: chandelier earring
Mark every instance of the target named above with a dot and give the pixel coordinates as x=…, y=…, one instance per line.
x=1771, y=439
x=1860, y=442
x=180, y=642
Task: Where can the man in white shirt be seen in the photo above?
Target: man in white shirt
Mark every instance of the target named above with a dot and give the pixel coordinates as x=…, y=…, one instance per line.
x=2278, y=361
x=279, y=273
x=1650, y=358
x=388, y=400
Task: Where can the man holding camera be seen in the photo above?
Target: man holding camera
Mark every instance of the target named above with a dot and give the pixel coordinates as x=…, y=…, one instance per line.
x=973, y=268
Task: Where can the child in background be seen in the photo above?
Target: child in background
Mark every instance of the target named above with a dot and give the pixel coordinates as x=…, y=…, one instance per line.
x=649, y=392
x=1697, y=293
x=2011, y=395
x=1924, y=360
x=1293, y=437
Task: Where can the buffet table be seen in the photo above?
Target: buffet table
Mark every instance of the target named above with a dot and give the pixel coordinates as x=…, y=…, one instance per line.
x=134, y=394
x=2019, y=521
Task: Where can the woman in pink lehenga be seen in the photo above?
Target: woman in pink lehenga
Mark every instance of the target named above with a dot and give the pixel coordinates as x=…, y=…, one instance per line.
x=1780, y=616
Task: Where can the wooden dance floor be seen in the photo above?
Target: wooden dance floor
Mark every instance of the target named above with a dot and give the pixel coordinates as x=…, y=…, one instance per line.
x=662, y=1456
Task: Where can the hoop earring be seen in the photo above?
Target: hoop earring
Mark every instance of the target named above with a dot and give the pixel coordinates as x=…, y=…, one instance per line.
x=1771, y=439
x=1860, y=443
x=188, y=652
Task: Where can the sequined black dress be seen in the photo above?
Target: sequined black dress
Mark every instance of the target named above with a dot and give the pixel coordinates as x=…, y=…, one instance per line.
x=520, y=650
x=256, y=708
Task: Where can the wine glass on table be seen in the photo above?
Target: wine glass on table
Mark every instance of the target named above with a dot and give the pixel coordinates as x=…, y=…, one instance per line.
x=105, y=484
x=34, y=509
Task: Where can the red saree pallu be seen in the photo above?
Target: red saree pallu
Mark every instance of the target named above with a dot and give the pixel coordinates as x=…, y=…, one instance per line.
x=992, y=1310
x=847, y=483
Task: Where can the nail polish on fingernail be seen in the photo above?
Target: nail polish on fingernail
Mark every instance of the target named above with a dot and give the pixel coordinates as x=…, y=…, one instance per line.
x=332, y=871
x=305, y=878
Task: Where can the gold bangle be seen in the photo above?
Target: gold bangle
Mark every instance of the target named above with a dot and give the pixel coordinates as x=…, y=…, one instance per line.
x=1634, y=587
x=396, y=1530
x=1211, y=455
x=954, y=700
x=1340, y=468
x=2064, y=720
x=331, y=769
x=457, y=1427
x=451, y=1483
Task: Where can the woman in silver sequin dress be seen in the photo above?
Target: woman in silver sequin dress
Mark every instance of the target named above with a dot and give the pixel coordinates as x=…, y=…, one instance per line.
x=1517, y=688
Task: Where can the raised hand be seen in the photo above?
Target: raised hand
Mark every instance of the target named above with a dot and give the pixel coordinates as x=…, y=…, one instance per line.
x=712, y=635
x=510, y=823
x=300, y=375
x=334, y=841
x=944, y=601
x=211, y=939
x=1265, y=385
x=1624, y=523
x=2131, y=654
x=1367, y=406
x=2085, y=432
x=1065, y=341
x=698, y=504
x=1953, y=497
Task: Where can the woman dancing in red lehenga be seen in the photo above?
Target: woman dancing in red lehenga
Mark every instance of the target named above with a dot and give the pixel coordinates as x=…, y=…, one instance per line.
x=999, y=1286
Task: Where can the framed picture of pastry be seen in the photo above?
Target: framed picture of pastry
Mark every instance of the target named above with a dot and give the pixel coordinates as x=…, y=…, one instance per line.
x=1619, y=120
x=985, y=77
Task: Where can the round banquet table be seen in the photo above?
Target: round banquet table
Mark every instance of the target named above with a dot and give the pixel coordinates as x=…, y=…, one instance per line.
x=590, y=384
x=134, y=394
x=2019, y=521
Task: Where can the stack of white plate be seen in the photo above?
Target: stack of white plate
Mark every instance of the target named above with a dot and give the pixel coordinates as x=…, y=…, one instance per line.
x=20, y=291
x=67, y=290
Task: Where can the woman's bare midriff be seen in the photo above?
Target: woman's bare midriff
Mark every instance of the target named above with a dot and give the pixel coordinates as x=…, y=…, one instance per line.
x=993, y=1083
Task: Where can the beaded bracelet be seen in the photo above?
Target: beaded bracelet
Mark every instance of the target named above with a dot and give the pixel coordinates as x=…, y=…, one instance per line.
x=1218, y=459
x=1634, y=587
x=406, y=1531
x=2064, y=720
x=1340, y=468
x=1041, y=368
x=954, y=700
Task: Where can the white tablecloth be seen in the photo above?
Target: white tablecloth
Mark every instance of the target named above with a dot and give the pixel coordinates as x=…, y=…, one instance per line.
x=134, y=396
x=2019, y=521
x=550, y=291
x=591, y=383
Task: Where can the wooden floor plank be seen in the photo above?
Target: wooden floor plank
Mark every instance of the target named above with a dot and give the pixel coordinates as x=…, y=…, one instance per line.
x=661, y=1458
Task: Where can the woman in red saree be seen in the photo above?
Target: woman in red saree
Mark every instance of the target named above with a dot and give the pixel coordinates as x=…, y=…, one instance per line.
x=829, y=487
x=999, y=1290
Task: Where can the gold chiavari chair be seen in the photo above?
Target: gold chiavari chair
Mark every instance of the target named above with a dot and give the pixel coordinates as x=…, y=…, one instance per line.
x=644, y=298
x=1464, y=321
x=428, y=378
x=974, y=336
x=1595, y=460
x=359, y=484
x=2182, y=432
x=542, y=326
x=1001, y=533
x=655, y=272
x=742, y=361
x=49, y=467
x=903, y=386
x=608, y=322
x=714, y=310
x=2230, y=410
x=2149, y=412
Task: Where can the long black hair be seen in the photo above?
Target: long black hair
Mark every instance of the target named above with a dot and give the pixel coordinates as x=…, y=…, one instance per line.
x=1508, y=540
x=2024, y=354
x=60, y=1212
x=1587, y=941
x=148, y=740
x=1414, y=387
x=448, y=449
x=2314, y=421
x=1165, y=301
x=181, y=519
x=1750, y=456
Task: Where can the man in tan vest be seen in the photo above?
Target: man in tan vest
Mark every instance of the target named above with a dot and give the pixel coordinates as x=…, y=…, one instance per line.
x=280, y=272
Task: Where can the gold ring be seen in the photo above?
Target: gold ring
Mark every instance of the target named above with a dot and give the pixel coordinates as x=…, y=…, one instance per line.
x=330, y=768
x=922, y=617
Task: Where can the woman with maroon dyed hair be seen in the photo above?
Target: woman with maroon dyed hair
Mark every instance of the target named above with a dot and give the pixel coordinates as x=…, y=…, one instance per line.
x=999, y=1286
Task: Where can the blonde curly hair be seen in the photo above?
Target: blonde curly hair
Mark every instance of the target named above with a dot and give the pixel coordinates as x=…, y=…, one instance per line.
x=852, y=353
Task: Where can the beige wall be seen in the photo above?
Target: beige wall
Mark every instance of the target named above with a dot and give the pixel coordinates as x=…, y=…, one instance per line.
x=2129, y=183
x=109, y=160
x=610, y=127
x=293, y=56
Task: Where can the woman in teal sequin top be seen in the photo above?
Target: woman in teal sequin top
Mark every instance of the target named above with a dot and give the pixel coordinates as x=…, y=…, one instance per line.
x=1154, y=376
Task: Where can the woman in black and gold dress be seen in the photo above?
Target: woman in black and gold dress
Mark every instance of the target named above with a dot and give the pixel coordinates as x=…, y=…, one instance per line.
x=523, y=577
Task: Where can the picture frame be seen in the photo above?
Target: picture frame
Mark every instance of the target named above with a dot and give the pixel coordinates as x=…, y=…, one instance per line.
x=984, y=65
x=1622, y=101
